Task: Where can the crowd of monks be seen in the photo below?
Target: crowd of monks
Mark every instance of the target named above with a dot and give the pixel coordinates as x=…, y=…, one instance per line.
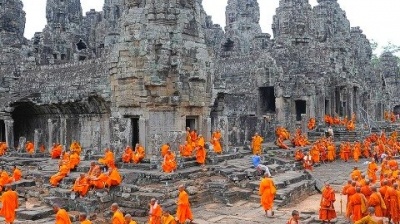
x=349, y=124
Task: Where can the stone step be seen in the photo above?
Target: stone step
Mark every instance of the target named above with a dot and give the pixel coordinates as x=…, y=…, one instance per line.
x=282, y=180
x=35, y=213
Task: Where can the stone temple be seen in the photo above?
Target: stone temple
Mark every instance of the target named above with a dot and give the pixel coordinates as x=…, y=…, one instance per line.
x=143, y=70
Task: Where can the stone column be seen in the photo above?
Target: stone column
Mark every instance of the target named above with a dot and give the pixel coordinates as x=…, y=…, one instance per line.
x=350, y=97
x=36, y=140
x=142, y=133
x=50, y=126
x=63, y=131
x=9, y=128
x=304, y=123
x=207, y=128
x=223, y=124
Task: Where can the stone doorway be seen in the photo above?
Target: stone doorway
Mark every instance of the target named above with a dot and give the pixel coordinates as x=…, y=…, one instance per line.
x=267, y=100
x=135, y=131
x=301, y=108
x=191, y=122
x=2, y=131
x=396, y=110
x=327, y=107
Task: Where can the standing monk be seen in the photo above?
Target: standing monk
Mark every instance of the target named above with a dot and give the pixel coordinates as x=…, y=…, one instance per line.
x=376, y=201
x=327, y=211
x=256, y=144
x=62, y=216
x=183, y=211
x=358, y=205
x=118, y=217
x=9, y=200
x=392, y=196
x=216, y=141
x=155, y=212
x=371, y=171
x=200, y=151
x=267, y=191
x=127, y=155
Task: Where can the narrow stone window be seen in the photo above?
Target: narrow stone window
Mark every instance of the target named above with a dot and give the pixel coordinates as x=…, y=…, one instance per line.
x=301, y=108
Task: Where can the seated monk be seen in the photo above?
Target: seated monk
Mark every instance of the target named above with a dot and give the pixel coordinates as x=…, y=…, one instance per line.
x=3, y=148
x=62, y=172
x=93, y=169
x=98, y=180
x=311, y=124
x=56, y=151
x=74, y=160
x=350, y=126
x=75, y=147
x=17, y=174
x=139, y=154
x=186, y=150
x=164, y=149
x=127, y=155
x=114, y=177
x=281, y=144
x=169, y=163
x=108, y=159
x=298, y=155
x=29, y=147
x=81, y=185
x=4, y=179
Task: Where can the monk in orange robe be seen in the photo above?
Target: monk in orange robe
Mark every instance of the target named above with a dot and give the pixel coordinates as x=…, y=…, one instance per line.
x=3, y=148
x=81, y=185
x=350, y=126
x=75, y=147
x=392, y=196
x=281, y=144
x=17, y=174
x=129, y=220
x=256, y=144
x=366, y=190
x=376, y=200
x=188, y=138
x=29, y=147
x=56, y=151
x=169, y=163
x=62, y=172
x=358, y=205
x=308, y=162
x=186, y=150
x=114, y=177
x=298, y=155
x=267, y=191
x=371, y=170
x=193, y=137
x=93, y=169
x=98, y=180
x=127, y=155
x=216, y=141
x=282, y=133
x=183, y=211
x=350, y=192
x=9, y=200
x=200, y=151
x=118, y=217
x=167, y=218
x=355, y=174
x=108, y=158
x=327, y=211
x=164, y=149
x=311, y=124
x=74, y=160
x=346, y=151
x=5, y=179
x=155, y=212
x=356, y=151
x=331, y=152
x=314, y=152
x=83, y=219
x=139, y=154
x=62, y=216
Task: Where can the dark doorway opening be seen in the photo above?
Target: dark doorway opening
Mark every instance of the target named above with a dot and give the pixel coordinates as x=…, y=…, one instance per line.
x=267, y=99
x=135, y=131
x=327, y=109
x=301, y=108
x=396, y=110
x=2, y=131
x=81, y=45
x=191, y=123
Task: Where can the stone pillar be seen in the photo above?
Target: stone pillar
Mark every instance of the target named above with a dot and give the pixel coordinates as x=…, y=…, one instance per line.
x=350, y=98
x=223, y=124
x=9, y=128
x=142, y=133
x=36, y=140
x=304, y=123
x=63, y=131
x=207, y=128
x=50, y=141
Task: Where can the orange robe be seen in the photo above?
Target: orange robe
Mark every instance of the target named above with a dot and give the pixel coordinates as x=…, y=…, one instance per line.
x=393, y=209
x=327, y=211
x=164, y=149
x=366, y=191
x=5, y=179
x=358, y=205
x=155, y=213
x=30, y=148
x=114, y=178
x=17, y=174
x=371, y=171
x=3, y=148
x=100, y=181
x=56, y=178
x=86, y=222
x=93, y=170
x=75, y=147
x=183, y=211
x=215, y=141
x=281, y=144
x=376, y=201
x=168, y=219
x=138, y=155
x=299, y=155
x=355, y=174
x=267, y=191
x=9, y=200
x=118, y=218
x=331, y=152
x=62, y=217
x=357, y=151
x=81, y=186
x=256, y=144
x=74, y=160
x=127, y=156
x=311, y=124
x=201, y=151
x=169, y=163
x=56, y=151
x=186, y=150
x=108, y=159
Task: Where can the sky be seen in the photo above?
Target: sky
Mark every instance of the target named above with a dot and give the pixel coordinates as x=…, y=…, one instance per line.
x=379, y=19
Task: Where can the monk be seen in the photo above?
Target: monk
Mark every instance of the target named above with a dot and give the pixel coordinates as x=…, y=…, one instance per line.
x=167, y=218
x=327, y=211
x=29, y=147
x=155, y=212
x=164, y=149
x=350, y=126
x=75, y=147
x=56, y=151
x=188, y=138
x=256, y=144
x=366, y=190
x=356, y=151
x=282, y=133
x=186, y=149
x=371, y=218
x=183, y=211
x=311, y=124
x=83, y=219
x=346, y=151
x=129, y=220
x=139, y=154
x=81, y=185
x=298, y=155
x=376, y=201
x=308, y=162
x=3, y=148
x=4, y=179
x=98, y=180
x=355, y=174
x=9, y=200
x=216, y=141
x=62, y=172
x=358, y=205
x=350, y=192
x=193, y=137
x=74, y=160
x=169, y=163
x=201, y=151
x=108, y=159
x=17, y=174
x=371, y=170
x=392, y=196
x=127, y=155
x=281, y=144
x=267, y=191
x=331, y=152
x=93, y=169
x=118, y=217
x=62, y=216
x=114, y=177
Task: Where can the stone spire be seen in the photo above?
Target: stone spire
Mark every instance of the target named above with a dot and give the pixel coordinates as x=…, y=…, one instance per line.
x=64, y=14
x=12, y=22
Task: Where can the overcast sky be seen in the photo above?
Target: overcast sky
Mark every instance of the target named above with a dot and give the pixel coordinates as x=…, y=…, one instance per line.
x=379, y=19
